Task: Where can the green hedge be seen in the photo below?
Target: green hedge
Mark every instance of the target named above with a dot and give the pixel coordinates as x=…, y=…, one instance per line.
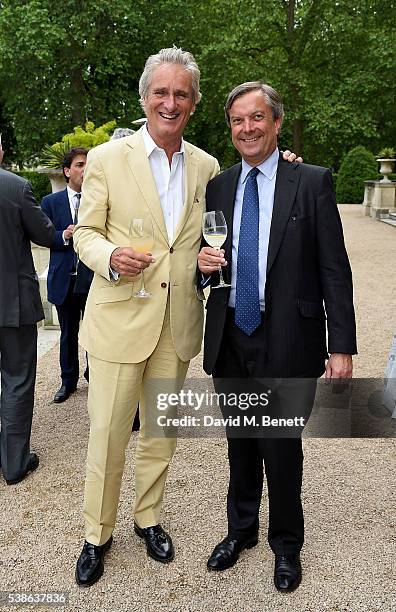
x=377, y=177
x=40, y=184
x=357, y=166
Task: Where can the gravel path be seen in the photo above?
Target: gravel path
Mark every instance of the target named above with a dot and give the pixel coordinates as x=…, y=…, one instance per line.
x=349, y=497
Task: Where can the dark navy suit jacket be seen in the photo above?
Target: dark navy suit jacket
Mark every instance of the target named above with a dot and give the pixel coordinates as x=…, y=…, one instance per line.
x=62, y=258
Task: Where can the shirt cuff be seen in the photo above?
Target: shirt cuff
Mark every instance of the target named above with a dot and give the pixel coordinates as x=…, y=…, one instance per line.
x=65, y=240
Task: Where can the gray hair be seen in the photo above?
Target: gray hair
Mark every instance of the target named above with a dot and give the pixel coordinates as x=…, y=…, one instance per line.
x=121, y=133
x=272, y=98
x=173, y=55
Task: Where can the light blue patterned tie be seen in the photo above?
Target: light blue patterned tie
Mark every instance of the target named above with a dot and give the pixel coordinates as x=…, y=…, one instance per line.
x=247, y=300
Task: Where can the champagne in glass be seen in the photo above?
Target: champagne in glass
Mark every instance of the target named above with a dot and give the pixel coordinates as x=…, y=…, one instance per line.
x=214, y=229
x=141, y=233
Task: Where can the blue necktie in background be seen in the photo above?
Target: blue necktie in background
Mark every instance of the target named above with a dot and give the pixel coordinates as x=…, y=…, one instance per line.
x=247, y=300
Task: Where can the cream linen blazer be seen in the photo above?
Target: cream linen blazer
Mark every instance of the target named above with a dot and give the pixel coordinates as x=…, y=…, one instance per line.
x=119, y=185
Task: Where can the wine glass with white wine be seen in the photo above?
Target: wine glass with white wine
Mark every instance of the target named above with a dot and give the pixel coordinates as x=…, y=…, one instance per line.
x=214, y=229
x=141, y=234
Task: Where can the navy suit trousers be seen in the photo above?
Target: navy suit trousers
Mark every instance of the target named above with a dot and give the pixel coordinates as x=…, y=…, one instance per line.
x=69, y=315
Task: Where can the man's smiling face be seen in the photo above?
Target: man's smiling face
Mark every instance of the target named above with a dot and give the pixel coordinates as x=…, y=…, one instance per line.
x=169, y=103
x=254, y=132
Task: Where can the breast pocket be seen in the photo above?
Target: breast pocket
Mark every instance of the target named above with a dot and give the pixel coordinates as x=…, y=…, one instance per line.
x=113, y=293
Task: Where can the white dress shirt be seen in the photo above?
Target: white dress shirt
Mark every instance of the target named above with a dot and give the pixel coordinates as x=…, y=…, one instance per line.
x=266, y=179
x=169, y=180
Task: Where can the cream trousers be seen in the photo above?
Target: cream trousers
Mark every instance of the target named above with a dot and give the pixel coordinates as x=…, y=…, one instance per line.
x=114, y=392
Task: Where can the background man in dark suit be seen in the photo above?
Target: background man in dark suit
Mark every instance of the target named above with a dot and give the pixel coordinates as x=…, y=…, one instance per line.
x=21, y=221
x=68, y=279
x=286, y=257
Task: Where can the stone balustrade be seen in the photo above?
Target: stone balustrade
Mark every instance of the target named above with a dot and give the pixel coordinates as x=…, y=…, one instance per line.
x=379, y=198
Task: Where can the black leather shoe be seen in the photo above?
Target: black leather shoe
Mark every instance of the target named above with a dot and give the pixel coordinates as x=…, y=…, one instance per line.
x=90, y=564
x=158, y=542
x=63, y=394
x=86, y=374
x=32, y=465
x=287, y=575
x=226, y=553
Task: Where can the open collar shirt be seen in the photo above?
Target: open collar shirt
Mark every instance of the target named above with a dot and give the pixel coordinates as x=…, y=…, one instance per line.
x=169, y=180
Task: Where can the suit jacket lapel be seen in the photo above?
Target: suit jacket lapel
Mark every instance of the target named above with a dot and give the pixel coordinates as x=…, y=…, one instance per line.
x=227, y=206
x=66, y=212
x=190, y=186
x=140, y=167
x=287, y=179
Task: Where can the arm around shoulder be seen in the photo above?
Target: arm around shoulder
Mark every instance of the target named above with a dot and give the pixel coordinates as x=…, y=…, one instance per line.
x=216, y=169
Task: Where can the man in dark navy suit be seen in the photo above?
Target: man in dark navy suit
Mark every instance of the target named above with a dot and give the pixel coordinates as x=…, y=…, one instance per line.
x=68, y=279
x=287, y=263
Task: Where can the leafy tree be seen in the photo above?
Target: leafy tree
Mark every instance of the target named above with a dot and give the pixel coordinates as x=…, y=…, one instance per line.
x=332, y=62
x=328, y=59
x=61, y=63
x=325, y=58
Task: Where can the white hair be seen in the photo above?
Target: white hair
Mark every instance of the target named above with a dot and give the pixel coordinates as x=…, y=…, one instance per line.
x=172, y=55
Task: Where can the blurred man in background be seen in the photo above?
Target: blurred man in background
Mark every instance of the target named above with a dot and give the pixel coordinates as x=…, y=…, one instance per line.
x=21, y=221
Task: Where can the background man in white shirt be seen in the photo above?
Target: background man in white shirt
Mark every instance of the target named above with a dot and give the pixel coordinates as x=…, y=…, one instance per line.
x=62, y=208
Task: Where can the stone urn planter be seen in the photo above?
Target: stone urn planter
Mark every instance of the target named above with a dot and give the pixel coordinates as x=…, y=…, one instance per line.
x=386, y=163
x=55, y=176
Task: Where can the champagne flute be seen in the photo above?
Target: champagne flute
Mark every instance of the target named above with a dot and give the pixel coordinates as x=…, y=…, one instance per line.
x=141, y=234
x=214, y=229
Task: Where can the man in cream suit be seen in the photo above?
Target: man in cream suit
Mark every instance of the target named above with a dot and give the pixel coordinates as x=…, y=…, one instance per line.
x=155, y=174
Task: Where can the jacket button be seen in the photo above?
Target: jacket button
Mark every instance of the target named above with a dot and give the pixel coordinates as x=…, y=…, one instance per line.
x=171, y=250
x=164, y=285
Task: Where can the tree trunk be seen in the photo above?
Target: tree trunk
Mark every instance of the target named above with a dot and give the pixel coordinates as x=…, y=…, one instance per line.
x=297, y=136
x=77, y=97
x=291, y=9
x=293, y=55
